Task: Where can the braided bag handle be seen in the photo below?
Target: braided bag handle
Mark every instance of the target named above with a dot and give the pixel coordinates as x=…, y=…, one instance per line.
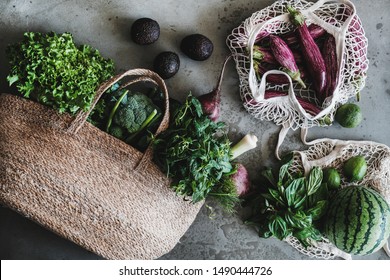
x=136, y=76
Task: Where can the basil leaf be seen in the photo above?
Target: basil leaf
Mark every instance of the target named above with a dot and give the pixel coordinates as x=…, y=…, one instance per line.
x=314, y=180
x=267, y=173
x=278, y=228
x=321, y=194
x=282, y=173
x=318, y=210
x=275, y=194
x=295, y=192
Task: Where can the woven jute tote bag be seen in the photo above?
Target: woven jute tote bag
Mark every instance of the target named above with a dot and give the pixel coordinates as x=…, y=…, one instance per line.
x=85, y=185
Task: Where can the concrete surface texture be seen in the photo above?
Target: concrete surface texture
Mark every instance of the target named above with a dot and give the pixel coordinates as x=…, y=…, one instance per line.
x=105, y=25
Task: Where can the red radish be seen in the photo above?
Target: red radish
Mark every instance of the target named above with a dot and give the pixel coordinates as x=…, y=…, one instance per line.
x=285, y=57
x=211, y=102
x=330, y=58
x=241, y=180
x=312, y=54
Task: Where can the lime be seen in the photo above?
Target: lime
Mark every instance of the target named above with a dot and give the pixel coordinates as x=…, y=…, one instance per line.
x=331, y=178
x=349, y=115
x=355, y=168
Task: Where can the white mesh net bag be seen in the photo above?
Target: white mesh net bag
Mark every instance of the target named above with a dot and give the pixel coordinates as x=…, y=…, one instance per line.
x=333, y=153
x=337, y=17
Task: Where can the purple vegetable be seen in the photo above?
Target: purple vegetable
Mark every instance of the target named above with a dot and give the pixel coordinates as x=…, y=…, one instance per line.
x=315, y=31
x=261, y=35
x=211, y=102
x=285, y=57
x=241, y=180
x=313, y=58
x=278, y=79
x=263, y=55
x=330, y=58
x=310, y=108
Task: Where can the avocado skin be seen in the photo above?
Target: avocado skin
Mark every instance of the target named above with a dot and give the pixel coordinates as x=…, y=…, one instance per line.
x=197, y=47
x=145, y=31
x=166, y=64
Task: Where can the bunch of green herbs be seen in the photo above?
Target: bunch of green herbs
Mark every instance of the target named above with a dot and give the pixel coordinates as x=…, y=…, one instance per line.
x=52, y=70
x=196, y=153
x=290, y=204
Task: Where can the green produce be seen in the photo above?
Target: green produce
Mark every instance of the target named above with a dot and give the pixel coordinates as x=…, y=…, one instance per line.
x=290, y=205
x=52, y=70
x=145, y=31
x=131, y=113
x=358, y=220
x=331, y=178
x=349, y=115
x=355, y=168
x=196, y=153
x=166, y=64
x=197, y=47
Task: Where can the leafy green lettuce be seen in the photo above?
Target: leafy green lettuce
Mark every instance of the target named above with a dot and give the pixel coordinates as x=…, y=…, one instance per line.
x=52, y=70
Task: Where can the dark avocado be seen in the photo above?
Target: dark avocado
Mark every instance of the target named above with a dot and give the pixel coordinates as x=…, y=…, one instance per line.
x=166, y=64
x=197, y=47
x=145, y=31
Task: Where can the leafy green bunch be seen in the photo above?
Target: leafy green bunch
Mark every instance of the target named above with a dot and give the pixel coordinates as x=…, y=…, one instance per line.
x=52, y=70
x=196, y=153
x=291, y=205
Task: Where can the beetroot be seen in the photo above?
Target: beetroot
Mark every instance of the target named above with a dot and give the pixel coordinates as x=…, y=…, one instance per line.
x=211, y=102
x=241, y=180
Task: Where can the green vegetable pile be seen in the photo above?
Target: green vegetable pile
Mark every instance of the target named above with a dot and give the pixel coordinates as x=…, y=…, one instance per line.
x=196, y=153
x=291, y=205
x=129, y=116
x=52, y=70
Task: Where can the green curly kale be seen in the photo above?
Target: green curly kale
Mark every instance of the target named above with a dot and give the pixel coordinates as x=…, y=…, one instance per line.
x=51, y=69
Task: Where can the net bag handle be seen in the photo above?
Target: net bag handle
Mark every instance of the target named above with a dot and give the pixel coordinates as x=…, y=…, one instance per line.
x=136, y=76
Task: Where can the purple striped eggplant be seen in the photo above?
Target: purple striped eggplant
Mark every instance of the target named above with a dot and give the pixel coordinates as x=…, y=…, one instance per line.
x=330, y=58
x=310, y=108
x=263, y=55
x=311, y=53
x=315, y=31
x=285, y=57
x=278, y=79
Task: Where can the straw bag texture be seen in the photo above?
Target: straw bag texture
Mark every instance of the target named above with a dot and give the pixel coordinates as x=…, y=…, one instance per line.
x=85, y=185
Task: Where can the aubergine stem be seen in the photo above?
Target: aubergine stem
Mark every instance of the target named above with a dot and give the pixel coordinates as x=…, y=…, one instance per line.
x=263, y=55
x=312, y=54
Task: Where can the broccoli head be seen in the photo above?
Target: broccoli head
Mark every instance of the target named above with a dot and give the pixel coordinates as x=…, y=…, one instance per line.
x=133, y=112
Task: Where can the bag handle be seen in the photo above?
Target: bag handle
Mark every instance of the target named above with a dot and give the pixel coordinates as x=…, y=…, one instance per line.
x=136, y=75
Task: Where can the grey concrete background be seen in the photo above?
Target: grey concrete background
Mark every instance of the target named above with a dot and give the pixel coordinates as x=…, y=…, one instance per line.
x=105, y=25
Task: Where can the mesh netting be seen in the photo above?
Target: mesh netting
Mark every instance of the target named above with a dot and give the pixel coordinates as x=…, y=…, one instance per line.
x=337, y=18
x=334, y=153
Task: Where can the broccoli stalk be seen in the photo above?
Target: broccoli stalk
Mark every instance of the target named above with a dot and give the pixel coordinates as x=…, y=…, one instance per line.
x=148, y=121
x=109, y=121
